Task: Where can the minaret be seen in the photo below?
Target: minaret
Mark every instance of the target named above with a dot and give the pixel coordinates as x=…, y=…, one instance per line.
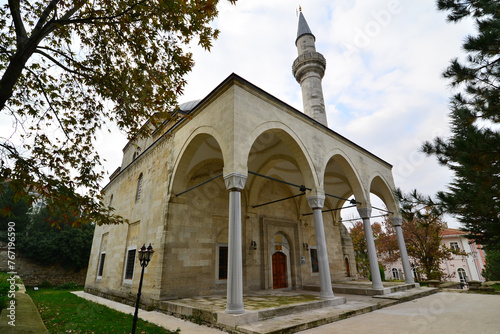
x=308, y=69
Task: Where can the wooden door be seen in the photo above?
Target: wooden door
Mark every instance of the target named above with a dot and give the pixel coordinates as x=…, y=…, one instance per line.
x=347, y=270
x=279, y=271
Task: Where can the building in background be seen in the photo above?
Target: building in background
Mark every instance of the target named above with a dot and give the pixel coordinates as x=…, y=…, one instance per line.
x=461, y=268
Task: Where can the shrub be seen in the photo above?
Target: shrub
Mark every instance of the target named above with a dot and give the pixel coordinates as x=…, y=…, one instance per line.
x=46, y=284
x=68, y=286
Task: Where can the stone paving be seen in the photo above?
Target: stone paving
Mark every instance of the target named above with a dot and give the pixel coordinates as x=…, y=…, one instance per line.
x=444, y=312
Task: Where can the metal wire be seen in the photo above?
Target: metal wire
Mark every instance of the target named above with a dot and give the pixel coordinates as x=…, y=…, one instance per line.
x=350, y=220
x=329, y=210
x=278, y=200
x=301, y=187
x=198, y=185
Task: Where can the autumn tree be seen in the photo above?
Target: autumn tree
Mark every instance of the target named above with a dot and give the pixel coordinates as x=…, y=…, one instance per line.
x=472, y=151
x=357, y=233
x=422, y=227
x=67, y=246
x=68, y=68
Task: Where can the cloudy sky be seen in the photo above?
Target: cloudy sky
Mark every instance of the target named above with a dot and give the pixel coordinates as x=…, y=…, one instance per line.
x=383, y=87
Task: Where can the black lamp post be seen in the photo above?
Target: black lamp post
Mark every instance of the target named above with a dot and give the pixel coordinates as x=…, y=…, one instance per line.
x=145, y=255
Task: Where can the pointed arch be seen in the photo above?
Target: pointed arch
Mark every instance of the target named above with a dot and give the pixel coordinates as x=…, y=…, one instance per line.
x=190, y=155
x=341, y=175
x=264, y=136
x=380, y=187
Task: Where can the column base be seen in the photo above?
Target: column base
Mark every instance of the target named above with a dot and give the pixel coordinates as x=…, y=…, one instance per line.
x=378, y=286
x=235, y=311
x=326, y=295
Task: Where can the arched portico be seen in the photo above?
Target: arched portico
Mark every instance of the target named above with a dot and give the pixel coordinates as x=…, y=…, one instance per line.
x=271, y=139
x=205, y=143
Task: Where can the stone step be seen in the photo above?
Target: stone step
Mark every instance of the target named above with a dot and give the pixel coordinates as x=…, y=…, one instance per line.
x=304, y=320
x=309, y=319
x=234, y=320
x=403, y=296
x=352, y=289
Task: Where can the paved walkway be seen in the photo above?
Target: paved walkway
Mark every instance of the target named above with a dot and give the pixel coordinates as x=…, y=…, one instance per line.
x=444, y=312
x=27, y=318
x=157, y=318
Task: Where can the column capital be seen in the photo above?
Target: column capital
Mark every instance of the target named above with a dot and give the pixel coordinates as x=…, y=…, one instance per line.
x=316, y=201
x=235, y=181
x=365, y=212
x=396, y=221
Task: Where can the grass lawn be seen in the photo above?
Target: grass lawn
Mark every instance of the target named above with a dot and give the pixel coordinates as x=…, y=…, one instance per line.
x=63, y=312
x=4, y=289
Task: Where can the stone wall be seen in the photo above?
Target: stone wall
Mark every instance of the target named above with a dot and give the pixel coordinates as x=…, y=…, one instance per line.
x=34, y=274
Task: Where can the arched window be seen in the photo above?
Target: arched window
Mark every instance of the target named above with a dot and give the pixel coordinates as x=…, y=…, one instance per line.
x=462, y=275
x=395, y=273
x=139, y=188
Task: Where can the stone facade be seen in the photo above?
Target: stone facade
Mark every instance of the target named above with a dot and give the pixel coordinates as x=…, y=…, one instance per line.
x=187, y=231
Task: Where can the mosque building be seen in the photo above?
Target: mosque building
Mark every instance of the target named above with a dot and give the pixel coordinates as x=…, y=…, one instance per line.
x=240, y=192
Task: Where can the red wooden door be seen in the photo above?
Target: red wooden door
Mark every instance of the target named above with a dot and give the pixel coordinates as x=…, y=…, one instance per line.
x=279, y=270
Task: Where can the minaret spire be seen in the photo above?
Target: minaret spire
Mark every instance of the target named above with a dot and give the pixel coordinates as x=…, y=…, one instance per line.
x=308, y=70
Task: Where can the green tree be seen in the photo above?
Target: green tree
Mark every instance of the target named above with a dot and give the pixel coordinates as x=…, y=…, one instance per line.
x=472, y=151
x=46, y=244
x=492, y=267
x=13, y=209
x=69, y=67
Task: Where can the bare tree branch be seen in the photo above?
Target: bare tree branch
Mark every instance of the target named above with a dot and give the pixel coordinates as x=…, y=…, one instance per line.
x=49, y=102
x=55, y=61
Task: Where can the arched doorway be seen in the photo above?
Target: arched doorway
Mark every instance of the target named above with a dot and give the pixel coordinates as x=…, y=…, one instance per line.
x=347, y=271
x=279, y=270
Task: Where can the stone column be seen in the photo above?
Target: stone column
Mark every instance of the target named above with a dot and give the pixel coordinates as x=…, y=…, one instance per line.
x=397, y=222
x=316, y=202
x=235, y=182
x=365, y=214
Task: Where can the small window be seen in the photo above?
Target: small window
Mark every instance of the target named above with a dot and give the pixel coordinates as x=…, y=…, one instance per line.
x=454, y=245
x=314, y=260
x=101, y=264
x=129, y=266
x=111, y=201
x=139, y=188
x=223, y=255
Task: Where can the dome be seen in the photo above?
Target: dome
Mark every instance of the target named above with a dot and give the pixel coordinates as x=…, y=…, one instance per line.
x=187, y=107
